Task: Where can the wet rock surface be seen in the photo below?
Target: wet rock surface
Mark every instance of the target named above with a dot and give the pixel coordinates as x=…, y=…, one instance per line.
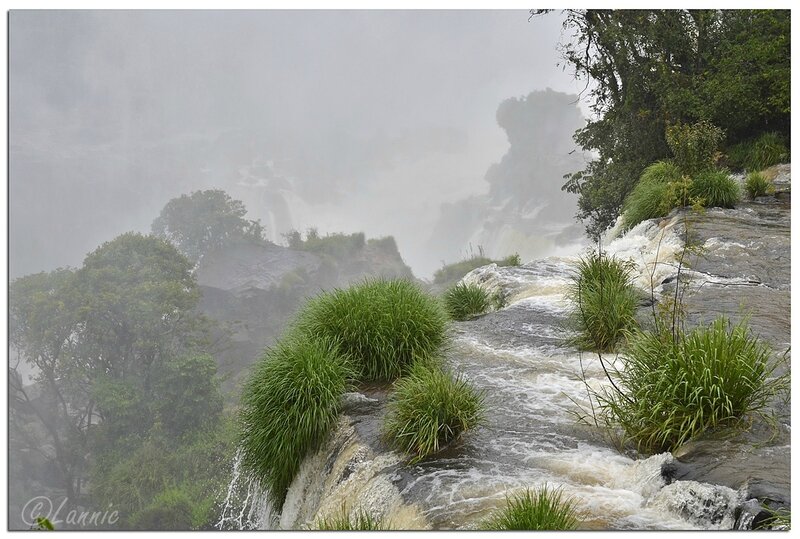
x=744, y=270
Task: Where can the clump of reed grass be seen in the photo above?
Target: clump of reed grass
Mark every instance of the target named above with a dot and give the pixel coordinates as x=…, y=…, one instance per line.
x=541, y=509
x=757, y=154
x=648, y=199
x=605, y=301
x=429, y=409
x=466, y=301
x=677, y=387
x=757, y=185
x=382, y=325
x=289, y=404
x=715, y=189
x=361, y=521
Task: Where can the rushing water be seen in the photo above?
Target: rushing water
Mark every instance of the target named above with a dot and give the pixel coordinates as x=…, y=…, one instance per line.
x=535, y=386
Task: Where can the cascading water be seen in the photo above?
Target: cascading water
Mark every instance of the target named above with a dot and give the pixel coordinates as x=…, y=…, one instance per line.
x=246, y=505
x=535, y=386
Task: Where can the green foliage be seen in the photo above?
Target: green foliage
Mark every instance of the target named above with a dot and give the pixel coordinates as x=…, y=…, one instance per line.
x=97, y=339
x=170, y=510
x=382, y=325
x=452, y=273
x=757, y=185
x=651, y=68
x=466, y=301
x=510, y=260
x=362, y=521
x=541, y=510
x=429, y=409
x=288, y=406
x=676, y=389
x=694, y=146
x=646, y=201
x=204, y=220
x=762, y=152
x=605, y=301
x=715, y=189
x=43, y=524
x=339, y=246
x=136, y=474
x=187, y=395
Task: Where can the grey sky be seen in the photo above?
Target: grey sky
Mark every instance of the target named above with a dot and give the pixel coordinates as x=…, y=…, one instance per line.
x=362, y=120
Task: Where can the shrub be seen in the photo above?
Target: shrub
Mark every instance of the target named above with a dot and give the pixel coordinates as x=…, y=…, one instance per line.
x=764, y=151
x=288, y=405
x=465, y=301
x=694, y=146
x=676, y=389
x=542, y=509
x=430, y=408
x=605, y=301
x=757, y=185
x=382, y=325
x=362, y=521
x=715, y=189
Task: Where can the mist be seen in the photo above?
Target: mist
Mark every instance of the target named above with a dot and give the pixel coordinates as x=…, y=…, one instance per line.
x=344, y=121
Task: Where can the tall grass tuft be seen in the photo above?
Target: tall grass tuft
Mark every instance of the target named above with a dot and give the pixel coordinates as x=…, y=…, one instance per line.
x=361, y=521
x=466, y=301
x=605, y=301
x=757, y=185
x=766, y=150
x=716, y=189
x=288, y=406
x=382, y=325
x=429, y=409
x=675, y=389
x=648, y=199
x=541, y=510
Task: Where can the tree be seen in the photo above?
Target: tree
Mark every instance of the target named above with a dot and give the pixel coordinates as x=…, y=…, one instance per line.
x=654, y=68
x=203, y=220
x=53, y=416
x=97, y=340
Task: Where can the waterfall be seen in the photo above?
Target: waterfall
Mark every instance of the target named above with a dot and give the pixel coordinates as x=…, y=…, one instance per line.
x=247, y=505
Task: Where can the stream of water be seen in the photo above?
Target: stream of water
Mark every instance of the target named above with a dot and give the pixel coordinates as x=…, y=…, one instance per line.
x=534, y=385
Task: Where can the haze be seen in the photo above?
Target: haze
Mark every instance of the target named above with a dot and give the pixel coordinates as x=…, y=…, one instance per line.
x=344, y=121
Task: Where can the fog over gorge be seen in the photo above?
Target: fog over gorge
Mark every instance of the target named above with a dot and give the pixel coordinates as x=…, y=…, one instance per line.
x=399, y=270
x=343, y=121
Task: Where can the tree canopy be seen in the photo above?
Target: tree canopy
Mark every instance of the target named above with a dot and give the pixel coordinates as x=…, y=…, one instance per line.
x=117, y=352
x=647, y=69
x=203, y=220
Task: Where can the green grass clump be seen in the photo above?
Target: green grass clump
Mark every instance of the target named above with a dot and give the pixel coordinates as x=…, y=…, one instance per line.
x=675, y=389
x=648, y=199
x=288, y=405
x=362, y=521
x=510, y=260
x=382, y=325
x=466, y=301
x=454, y=272
x=757, y=154
x=430, y=408
x=542, y=509
x=451, y=273
x=605, y=301
x=715, y=189
x=757, y=185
